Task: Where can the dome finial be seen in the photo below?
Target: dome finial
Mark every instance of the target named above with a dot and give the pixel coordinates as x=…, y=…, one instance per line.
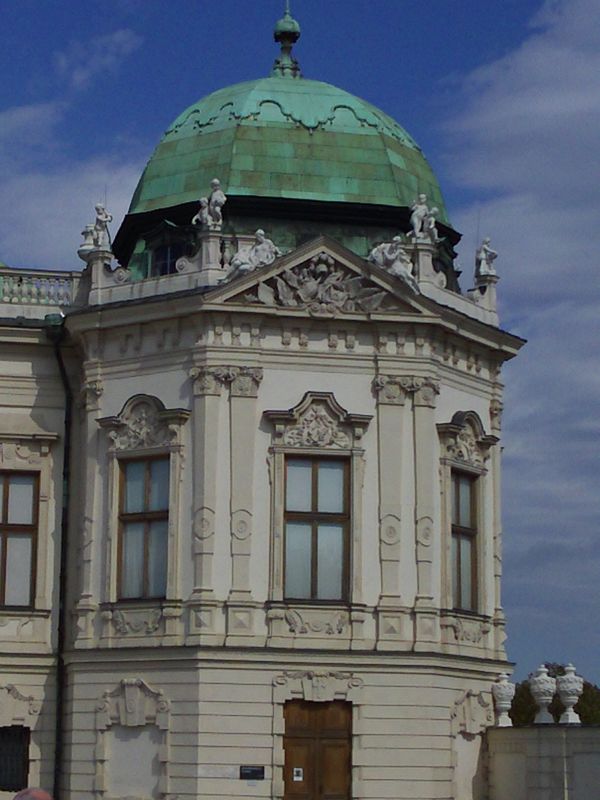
x=287, y=33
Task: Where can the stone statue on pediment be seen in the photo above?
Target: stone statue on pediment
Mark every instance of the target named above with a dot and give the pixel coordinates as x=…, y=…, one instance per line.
x=260, y=254
x=484, y=259
x=393, y=258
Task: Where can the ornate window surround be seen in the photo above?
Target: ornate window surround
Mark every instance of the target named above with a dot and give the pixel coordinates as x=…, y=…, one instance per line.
x=314, y=686
x=144, y=428
x=133, y=703
x=465, y=447
x=32, y=453
x=318, y=425
x=19, y=709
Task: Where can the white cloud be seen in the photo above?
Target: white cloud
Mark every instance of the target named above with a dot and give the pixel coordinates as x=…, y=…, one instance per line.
x=46, y=197
x=81, y=62
x=527, y=134
x=43, y=213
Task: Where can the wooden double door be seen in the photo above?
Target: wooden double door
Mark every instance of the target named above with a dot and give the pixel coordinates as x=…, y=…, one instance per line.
x=318, y=750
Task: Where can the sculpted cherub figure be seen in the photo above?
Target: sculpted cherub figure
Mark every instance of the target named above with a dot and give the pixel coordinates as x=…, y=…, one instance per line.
x=484, y=259
x=101, y=234
x=420, y=210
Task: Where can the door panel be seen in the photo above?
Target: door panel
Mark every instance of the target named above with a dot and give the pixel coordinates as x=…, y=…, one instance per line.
x=334, y=769
x=318, y=750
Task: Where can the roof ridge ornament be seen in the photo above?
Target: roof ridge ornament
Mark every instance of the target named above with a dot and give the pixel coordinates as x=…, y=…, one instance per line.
x=287, y=33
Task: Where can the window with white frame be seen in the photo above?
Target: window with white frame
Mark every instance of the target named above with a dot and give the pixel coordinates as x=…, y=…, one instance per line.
x=143, y=527
x=317, y=463
x=317, y=522
x=19, y=499
x=464, y=540
x=144, y=477
x=465, y=448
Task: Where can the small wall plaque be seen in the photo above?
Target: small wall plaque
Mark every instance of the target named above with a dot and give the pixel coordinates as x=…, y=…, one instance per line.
x=250, y=773
x=297, y=774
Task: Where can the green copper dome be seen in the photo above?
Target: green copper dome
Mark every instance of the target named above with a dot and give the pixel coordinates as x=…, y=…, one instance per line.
x=286, y=138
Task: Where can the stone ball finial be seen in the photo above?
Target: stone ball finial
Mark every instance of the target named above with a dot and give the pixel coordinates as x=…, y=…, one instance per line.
x=570, y=688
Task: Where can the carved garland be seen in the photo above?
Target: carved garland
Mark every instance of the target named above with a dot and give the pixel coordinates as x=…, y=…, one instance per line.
x=17, y=708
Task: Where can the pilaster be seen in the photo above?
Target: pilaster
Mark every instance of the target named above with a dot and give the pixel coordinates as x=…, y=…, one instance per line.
x=206, y=616
x=393, y=619
x=243, y=416
x=427, y=630
x=87, y=596
x=498, y=619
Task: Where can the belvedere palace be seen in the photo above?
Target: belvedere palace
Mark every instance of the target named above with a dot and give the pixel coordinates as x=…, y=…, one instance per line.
x=250, y=468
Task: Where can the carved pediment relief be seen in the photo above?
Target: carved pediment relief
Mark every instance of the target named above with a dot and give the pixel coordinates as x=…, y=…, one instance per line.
x=144, y=422
x=318, y=421
x=322, y=279
x=323, y=287
x=464, y=439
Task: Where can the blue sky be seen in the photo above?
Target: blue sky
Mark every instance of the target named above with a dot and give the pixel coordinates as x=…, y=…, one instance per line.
x=504, y=98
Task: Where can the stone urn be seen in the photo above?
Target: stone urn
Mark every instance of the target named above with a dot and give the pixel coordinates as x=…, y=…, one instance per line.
x=570, y=687
x=542, y=688
x=503, y=693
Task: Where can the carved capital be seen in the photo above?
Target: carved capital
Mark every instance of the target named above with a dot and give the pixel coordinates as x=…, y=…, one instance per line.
x=210, y=380
x=90, y=395
x=496, y=409
x=393, y=389
x=388, y=390
x=246, y=381
x=426, y=392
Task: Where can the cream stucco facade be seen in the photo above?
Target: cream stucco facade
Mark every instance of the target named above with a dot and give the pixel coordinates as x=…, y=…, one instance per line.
x=194, y=685
x=260, y=483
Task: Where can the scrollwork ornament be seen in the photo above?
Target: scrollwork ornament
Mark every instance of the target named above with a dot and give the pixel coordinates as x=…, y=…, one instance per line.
x=316, y=428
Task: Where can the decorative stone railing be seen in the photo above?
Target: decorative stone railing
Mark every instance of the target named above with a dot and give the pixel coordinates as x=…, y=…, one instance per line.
x=25, y=287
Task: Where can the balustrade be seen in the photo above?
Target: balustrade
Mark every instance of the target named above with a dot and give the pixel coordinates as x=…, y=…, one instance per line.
x=37, y=288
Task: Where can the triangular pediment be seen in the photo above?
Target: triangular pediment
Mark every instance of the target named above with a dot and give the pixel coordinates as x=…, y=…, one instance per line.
x=321, y=278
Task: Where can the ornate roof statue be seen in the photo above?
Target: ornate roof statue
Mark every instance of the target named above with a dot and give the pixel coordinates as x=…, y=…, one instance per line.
x=101, y=234
x=392, y=257
x=210, y=214
x=260, y=254
x=484, y=259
